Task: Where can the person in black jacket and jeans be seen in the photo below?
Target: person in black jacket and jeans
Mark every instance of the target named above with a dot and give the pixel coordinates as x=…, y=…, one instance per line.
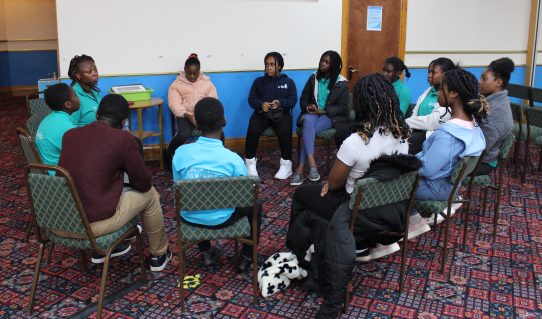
x=324, y=104
x=272, y=97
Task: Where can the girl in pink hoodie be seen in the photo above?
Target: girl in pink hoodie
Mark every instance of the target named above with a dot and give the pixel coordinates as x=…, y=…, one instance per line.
x=183, y=94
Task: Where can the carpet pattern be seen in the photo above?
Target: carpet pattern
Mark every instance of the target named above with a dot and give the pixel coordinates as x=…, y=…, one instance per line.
x=493, y=278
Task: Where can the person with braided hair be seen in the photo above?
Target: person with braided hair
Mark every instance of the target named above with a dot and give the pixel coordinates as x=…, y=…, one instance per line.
x=459, y=137
x=84, y=75
x=324, y=104
x=500, y=122
x=381, y=130
x=392, y=69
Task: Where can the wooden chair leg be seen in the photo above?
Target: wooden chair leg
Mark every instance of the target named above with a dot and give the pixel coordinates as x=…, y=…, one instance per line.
x=484, y=205
x=51, y=251
x=236, y=243
x=36, y=278
x=526, y=163
x=498, y=201
x=103, y=284
x=29, y=228
x=347, y=298
x=466, y=225
x=83, y=258
x=255, y=290
x=445, y=246
x=180, y=253
x=139, y=243
x=403, y=263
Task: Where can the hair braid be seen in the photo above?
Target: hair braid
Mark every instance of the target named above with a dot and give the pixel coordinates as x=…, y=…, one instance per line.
x=466, y=86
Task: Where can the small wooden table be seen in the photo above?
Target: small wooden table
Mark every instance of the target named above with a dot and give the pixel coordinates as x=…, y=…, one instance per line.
x=139, y=106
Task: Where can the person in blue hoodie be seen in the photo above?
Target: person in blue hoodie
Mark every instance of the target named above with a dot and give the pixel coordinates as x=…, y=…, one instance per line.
x=272, y=97
x=458, y=137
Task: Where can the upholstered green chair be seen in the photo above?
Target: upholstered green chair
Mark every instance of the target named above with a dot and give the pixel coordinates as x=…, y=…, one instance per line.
x=463, y=168
x=533, y=116
x=34, y=121
x=485, y=182
x=216, y=193
x=57, y=209
x=32, y=156
x=369, y=193
x=36, y=105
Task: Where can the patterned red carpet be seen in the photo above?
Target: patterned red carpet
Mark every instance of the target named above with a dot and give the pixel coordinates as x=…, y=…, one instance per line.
x=494, y=278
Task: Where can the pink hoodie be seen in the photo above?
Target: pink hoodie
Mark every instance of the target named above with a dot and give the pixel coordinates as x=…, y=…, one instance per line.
x=183, y=94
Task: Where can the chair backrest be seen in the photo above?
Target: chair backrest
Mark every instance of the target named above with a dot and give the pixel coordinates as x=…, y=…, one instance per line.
x=28, y=145
x=519, y=91
x=517, y=112
x=216, y=193
x=34, y=121
x=533, y=116
x=506, y=146
x=36, y=105
x=377, y=193
x=536, y=96
x=370, y=192
x=55, y=202
x=464, y=167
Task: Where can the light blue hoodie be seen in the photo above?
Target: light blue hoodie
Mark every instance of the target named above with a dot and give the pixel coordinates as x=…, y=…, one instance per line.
x=440, y=153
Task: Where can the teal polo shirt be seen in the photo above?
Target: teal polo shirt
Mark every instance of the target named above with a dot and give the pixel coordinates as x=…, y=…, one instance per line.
x=404, y=95
x=49, y=136
x=89, y=105
x=323, y=93
x=206, y=158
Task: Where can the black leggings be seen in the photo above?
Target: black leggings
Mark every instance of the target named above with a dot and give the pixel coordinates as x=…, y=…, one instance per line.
x=239, y=213
x=415, y=141
x=307, y=197
x=257, y=125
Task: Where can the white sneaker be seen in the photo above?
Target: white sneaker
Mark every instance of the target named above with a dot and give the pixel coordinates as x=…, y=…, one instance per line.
x=251, y=166
x=383, y=250
x=431, y=220
x=417, y=225
x=285, y=169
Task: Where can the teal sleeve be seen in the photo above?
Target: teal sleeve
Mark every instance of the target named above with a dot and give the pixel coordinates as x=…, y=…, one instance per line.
x=404, y=101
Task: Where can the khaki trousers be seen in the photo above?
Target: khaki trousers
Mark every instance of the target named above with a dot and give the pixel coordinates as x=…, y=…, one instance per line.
x=132, y=203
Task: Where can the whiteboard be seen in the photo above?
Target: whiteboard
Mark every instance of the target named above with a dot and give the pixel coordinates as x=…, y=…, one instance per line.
x=141, y=37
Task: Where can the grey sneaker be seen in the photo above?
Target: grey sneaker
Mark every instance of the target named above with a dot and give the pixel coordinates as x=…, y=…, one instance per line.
x=297, y=180
x=313, y=174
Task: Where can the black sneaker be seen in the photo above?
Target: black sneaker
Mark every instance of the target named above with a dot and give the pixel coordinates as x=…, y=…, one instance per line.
x=363, y=255
x=158, y=263
x=210, y=257
x=121, y=249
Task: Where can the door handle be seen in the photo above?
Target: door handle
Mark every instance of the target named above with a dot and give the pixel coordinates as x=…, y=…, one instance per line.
x=351, y=69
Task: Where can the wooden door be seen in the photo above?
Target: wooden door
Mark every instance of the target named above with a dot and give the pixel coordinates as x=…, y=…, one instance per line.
x=367, y=50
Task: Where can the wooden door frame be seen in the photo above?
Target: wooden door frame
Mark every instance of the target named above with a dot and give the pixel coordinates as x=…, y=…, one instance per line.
x=344, y=33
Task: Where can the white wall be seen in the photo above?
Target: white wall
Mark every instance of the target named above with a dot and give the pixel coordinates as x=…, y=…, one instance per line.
x=138, y=37
x=466, y=25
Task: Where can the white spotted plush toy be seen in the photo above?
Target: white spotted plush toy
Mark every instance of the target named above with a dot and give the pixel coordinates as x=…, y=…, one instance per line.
x=277, y=271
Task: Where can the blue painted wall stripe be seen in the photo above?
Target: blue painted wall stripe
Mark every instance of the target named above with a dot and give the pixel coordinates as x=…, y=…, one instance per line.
x=26, y=67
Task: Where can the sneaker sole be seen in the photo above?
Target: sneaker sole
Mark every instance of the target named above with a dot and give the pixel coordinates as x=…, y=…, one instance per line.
x=161, y=267
x=314, y=179
x=364, y=259
x=386, y=252
x=296, y=183
x=120, y=253
x=419, y=231
x=285, y=177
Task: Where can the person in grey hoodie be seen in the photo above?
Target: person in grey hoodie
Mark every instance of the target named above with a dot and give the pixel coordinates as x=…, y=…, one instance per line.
x=499, y=123
x=458, y=137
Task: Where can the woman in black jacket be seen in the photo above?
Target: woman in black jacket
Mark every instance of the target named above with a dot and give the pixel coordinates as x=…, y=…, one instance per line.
x=324, y=104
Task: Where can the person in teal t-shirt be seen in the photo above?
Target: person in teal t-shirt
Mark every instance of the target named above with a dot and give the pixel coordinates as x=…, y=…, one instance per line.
x=392, y=69
x=208, y=158
x=84, y=76
x=63, y=102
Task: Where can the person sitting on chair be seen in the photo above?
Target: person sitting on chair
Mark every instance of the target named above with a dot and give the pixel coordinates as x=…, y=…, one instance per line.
x=272, y=97
x=208, y=158
x=63, y=102
x=97, y=156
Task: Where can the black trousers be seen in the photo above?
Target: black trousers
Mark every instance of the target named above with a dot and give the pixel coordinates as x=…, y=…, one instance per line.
x=307, y=197
x=185, y=128
x=415, y=141
x=257, y=125
x=239, y=213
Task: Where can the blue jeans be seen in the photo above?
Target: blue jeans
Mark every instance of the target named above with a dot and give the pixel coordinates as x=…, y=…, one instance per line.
x=434, y=189
x=312, y=124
